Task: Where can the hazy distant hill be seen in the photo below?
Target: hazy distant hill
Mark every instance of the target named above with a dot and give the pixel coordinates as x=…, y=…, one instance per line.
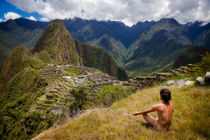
x=135, y=48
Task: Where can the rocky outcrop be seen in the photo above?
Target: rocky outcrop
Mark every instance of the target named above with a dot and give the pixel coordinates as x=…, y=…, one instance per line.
x=178, y=83
x=199, y=81
x=207, y=78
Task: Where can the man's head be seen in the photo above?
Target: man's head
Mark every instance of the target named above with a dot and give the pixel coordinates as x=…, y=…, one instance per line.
x=165, y=95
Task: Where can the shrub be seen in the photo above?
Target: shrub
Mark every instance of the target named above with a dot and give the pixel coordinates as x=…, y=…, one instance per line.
x=110, y=94
x=202, y=67
x=81, y=100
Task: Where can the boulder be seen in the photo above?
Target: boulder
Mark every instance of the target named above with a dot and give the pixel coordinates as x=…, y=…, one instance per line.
x=207, y=78
x=199, y=81
x=181, y=82
x=189, y=83
x=169, y=83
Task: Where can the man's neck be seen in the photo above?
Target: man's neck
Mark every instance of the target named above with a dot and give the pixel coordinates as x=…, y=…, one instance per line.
x=166, y=103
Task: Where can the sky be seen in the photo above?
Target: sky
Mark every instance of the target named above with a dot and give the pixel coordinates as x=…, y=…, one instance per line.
x=127, y=11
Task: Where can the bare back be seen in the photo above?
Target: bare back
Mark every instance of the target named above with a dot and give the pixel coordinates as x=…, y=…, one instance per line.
x=165, y=113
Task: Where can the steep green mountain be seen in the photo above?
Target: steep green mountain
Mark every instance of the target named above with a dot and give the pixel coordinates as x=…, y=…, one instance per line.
x=59, y=44
x=113, y=47
x=99, y=59
x=190, y=56
x=19, y=59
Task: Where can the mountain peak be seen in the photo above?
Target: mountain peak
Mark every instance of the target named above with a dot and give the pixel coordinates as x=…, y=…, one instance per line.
x=58, y=42
x=169, y=20
x=57, y=23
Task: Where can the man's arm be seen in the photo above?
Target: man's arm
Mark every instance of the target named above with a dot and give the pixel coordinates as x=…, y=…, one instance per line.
x=152, y=109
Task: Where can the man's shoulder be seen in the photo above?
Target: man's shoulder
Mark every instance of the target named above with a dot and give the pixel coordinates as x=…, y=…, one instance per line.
x=157, y=105
x=171, y=104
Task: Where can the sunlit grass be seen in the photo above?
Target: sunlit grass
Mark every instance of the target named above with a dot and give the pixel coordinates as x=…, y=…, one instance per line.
x=190, y=121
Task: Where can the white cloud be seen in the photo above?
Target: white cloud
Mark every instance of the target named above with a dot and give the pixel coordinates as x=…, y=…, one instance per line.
x=31, y=18
x=44, y=19
x=1, y=20
x=11, y=15
x=127, y=11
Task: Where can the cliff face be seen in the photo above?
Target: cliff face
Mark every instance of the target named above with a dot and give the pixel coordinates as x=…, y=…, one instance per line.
x=58, y=42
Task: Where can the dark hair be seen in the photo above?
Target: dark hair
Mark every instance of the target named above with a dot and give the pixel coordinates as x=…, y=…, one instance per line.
x=165, y=95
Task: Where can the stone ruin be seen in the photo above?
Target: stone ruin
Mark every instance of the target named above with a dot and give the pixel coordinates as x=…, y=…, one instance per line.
x=63, y=78
x=141, y=82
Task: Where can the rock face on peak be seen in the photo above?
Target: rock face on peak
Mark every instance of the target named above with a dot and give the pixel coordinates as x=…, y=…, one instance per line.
x=58, y=42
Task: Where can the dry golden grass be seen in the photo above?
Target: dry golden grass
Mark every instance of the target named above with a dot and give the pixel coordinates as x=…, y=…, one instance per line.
x=190, y=121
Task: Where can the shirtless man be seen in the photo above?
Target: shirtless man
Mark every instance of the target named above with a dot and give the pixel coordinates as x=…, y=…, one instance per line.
x=164, y=111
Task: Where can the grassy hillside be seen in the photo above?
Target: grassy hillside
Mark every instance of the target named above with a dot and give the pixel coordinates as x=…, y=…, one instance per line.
x=190, y=121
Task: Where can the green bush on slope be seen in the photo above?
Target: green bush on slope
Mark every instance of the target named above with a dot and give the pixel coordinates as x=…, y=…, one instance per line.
x=201, y=68
x=20, y=94
x=111, y=94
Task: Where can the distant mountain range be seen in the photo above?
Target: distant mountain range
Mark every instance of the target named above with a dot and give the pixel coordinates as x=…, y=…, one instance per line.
x=143, y=49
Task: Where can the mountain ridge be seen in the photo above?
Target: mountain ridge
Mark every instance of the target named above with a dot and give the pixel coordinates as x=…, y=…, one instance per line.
x=123, y=41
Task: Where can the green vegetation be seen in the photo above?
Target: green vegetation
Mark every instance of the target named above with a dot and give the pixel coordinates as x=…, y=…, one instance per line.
x=201, y=68
x=17, y=61
x=190, y=56
x=99, y=59
x=154, y=55
x=74, y=71
x=116, y=122
x=59, y=45
x=81, y=100
x=113, y=47
x=16, y=101
x=35, y=122
x=44, y=56
x=105, y=97
x=110, y=94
